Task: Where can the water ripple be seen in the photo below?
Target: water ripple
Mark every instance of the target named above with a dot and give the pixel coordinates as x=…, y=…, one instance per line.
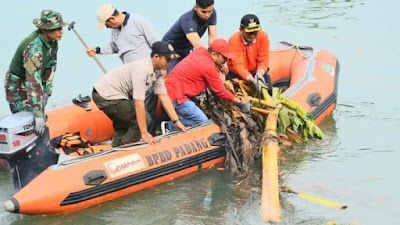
x=317, y=14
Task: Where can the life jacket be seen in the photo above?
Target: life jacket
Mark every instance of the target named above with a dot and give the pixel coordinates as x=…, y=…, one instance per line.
x=74, y=145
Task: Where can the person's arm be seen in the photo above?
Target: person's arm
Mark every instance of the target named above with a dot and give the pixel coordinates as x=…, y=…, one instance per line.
x=194, y=39
x=170, y=110
x=189, y=27
x=237, y=65
x=161, y=91
x=141, y=119
x=111, y=48
x=217, y=86
x=212, y=28
x=49, y=72
x=212, y=34
x=138, y=79
x=33, y=83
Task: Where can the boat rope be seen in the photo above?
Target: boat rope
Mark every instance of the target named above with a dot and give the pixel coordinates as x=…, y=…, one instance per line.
x=293, y=46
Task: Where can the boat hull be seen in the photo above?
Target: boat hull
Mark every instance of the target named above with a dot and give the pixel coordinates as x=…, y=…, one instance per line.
x=123, y=170
x=311, y=76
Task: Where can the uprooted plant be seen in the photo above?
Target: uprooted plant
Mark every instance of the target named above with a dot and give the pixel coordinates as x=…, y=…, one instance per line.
x=246, y=134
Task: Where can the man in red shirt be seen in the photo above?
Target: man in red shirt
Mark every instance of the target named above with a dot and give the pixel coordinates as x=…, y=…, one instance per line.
x=196, y=72
x=251, y=48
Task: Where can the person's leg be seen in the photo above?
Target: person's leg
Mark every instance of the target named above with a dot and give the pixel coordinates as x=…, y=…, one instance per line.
x=120, y=126
x=120, y=129
x=108, y=107
x=127, y=114
x=190, y=114
x=122, y=112
x=124, y=117
x=133, y=133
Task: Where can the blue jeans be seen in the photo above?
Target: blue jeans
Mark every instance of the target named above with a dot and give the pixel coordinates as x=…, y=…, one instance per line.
x=190, y=114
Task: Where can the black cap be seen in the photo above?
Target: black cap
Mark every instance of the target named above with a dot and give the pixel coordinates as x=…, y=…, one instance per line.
x=164, y=48
x=250, y=23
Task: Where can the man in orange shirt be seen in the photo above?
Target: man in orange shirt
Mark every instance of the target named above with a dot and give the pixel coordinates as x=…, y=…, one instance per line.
x=251, y=48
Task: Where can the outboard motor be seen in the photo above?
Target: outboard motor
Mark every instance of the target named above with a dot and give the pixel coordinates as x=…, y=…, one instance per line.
x=27, y=152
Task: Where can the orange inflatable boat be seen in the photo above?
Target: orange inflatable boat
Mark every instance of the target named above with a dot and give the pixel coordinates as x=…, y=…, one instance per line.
x=64, y=184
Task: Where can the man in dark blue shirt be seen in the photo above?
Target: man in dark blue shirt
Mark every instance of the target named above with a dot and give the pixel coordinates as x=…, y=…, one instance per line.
x=185, y=34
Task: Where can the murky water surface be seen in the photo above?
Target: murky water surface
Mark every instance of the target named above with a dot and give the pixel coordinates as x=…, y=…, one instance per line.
x=356, y=165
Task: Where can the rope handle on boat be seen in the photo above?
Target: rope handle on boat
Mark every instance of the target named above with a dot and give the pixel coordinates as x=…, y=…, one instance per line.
x=295, y=46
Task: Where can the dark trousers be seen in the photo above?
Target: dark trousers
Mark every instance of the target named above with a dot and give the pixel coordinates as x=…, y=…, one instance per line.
x=123, y=115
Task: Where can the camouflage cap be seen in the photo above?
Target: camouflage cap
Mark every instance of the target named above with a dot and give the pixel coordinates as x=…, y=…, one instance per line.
x=49, y=20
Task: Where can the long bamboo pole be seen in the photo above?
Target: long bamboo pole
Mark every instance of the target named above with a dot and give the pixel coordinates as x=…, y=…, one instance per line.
x=270, y=205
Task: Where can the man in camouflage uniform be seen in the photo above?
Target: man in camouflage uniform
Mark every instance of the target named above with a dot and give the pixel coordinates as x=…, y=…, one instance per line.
x=29, y=80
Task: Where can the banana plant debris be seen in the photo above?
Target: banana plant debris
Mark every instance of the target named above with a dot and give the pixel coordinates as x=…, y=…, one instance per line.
x=246, y=133
x=275, y=122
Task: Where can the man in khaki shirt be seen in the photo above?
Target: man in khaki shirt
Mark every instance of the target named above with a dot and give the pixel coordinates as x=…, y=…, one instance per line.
x=121, y=92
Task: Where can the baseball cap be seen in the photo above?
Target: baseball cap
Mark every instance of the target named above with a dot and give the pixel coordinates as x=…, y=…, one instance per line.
x=221, y=46
x=49, y=20
x=164, y=48
x=104, y=12
x=250, y=23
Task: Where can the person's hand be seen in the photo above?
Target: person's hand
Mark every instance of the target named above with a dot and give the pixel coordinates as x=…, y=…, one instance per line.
x=40, y=125
x=224, y=69
x=259, y=85
x=245, y=107
x=147, y=137
x=45, y=97
x=260, y=76
x=91, y=52
x=180, y=126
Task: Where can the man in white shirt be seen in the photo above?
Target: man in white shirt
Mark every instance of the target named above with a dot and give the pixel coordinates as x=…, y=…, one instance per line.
x=131, y=38
x=120, y=93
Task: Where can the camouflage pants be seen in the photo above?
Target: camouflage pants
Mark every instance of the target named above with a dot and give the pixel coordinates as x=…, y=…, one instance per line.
x=15, y=93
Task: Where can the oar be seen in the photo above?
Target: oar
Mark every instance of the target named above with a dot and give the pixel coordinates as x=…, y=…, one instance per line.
x=313, y=198
x=71, y=26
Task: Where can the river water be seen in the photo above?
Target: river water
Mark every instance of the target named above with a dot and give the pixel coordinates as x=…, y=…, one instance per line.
x=356, y=165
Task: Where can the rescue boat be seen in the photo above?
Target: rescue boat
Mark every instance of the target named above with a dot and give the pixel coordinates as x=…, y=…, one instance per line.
x=74, y=183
